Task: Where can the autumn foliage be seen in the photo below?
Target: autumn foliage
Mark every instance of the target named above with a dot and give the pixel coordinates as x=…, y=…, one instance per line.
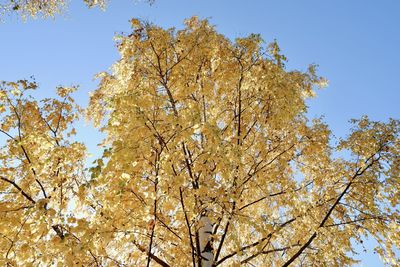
x=209, y=160
x=45, y=8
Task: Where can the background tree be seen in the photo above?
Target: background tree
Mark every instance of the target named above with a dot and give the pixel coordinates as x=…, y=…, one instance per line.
x=40, y=174
x=44, y=8
x=209, y=160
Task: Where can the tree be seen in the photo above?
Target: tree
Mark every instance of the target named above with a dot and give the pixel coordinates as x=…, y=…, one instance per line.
x=40, y=174
x=44, y=8
x=209, y=160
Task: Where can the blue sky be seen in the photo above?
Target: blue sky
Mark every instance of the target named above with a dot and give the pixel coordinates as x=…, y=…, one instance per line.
x=355, y=43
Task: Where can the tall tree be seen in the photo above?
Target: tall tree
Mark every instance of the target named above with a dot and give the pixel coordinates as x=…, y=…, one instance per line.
x=209, y=160
x=213, y=161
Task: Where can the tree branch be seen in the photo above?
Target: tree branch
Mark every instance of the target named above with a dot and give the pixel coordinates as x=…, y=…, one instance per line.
x=253, y=244
x=151, y=255
x=188, y=227
x=358, y=173
x=262, y=252
x=224, y=234
x=19, y=189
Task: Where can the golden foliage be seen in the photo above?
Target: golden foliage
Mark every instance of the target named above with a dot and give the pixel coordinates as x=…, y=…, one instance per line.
x=43, y=8
x=200, y=130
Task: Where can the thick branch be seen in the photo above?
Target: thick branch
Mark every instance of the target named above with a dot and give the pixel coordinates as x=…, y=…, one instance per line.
x=225, y=233
x=19, y=189
x=358, y=173
x=34, y=172
x=154, y=224
x=188, y=227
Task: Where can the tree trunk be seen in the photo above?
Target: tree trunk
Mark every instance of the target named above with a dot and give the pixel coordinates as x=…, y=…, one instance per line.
x=206, y=249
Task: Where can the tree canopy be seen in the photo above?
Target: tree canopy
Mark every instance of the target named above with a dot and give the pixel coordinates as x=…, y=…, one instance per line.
x=43, y=8
x=209, y=160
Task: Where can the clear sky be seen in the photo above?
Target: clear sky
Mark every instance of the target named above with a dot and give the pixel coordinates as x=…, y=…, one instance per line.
x=354, y=42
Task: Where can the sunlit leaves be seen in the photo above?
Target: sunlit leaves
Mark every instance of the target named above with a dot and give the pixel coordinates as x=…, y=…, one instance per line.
x=43, y=8
x=208, y=155
x=203, y=125
x=39, y=171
